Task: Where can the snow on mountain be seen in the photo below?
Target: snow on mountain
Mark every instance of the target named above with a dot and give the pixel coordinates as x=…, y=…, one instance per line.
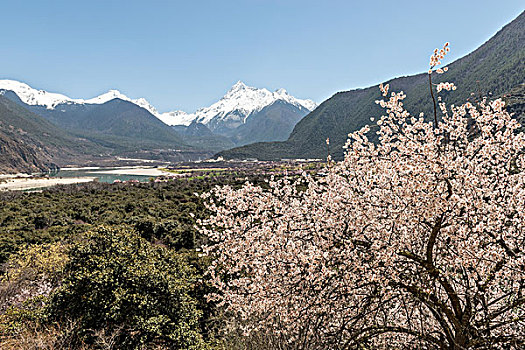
x=238, y=104
x=241, y=101
x=50, y=100
x=31, y=96
x=176, y=118
x=113, y=94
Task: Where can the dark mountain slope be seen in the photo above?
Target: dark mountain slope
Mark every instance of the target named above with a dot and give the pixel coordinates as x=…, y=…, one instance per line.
x=125, y=121
x=200, y=136
x=29, y=143
x=515, y=101
x=493, y=69
x=116, y=124
x=273, y=123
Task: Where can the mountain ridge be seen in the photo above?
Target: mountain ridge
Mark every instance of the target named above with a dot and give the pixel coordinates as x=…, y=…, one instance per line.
x=34, y=97
x=30, y=143
x=118, y=124
x=493, y=69
x=229, y=119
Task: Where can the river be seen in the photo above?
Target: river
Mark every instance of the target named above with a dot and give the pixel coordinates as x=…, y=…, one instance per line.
x=109, y=175
x=79, y=175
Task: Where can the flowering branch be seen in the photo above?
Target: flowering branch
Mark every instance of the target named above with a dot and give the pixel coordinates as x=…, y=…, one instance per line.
x=415, y=241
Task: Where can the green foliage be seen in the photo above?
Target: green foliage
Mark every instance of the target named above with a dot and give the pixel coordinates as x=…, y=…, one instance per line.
x=118, y=281
x=163, y=212
x=29, y=276
x=36, y=261
x=135, y=281
x=15, y=320
x=160, y=211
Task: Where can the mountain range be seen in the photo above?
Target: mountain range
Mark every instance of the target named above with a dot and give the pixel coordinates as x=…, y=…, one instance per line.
x=236, y=106
x=40, y=129
x=231, y=120
x=244, y=115
x=497, y=68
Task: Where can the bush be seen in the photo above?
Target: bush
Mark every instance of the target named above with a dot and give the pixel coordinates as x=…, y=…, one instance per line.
x=118, y=282
x=31, y=273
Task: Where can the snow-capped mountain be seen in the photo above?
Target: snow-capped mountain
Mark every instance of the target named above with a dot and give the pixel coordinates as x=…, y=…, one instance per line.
x=113, y=94
x=232, y=110
x=243, y=115
x=50, y=100
x=176, y=118
x=236, y=106
x=34, y=97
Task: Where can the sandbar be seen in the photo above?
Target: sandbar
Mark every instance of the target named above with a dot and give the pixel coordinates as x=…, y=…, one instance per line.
x=31, y=183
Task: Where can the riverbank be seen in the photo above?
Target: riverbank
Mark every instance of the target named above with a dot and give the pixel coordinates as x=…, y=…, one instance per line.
x=19, y=184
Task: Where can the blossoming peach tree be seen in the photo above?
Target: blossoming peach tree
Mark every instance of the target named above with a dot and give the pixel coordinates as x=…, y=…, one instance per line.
x=414, y=241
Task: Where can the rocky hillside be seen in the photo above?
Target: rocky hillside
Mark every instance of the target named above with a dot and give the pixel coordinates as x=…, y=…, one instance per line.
x=29, y=143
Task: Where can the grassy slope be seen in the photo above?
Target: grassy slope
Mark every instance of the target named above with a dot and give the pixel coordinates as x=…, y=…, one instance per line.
x=494, y=68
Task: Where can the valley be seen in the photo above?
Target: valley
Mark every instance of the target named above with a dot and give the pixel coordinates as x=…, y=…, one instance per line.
x=385, y=217
x=40, y=130
x=162, y=172
x=113, y=126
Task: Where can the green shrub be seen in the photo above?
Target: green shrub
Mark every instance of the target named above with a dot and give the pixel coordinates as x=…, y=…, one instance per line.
x=117, y=281
x=28, y=278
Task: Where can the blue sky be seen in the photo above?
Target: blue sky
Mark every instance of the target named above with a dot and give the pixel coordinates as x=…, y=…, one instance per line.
x=186, y=54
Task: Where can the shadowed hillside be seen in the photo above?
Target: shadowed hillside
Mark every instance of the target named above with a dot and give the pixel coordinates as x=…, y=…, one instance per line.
x=29, y=143
x=493, y=69
x=117, y=124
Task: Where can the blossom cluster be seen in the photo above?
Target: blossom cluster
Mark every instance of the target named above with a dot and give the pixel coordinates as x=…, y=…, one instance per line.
x=437, y=56
x=414, y=241
x=445, y=86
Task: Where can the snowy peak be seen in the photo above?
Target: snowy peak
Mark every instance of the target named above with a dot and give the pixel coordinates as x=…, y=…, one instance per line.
x=236, y=105
x=176, y=118
x=282, y=94
x=241, y=101
x=108, y=96
x=239, y=85
x=33, y=97
x=50, y=100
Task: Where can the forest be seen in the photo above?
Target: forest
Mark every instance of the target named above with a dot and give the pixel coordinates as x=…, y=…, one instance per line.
x=107, y=266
